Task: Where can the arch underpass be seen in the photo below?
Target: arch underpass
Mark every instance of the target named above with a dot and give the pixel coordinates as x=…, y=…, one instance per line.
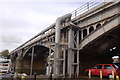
x=101, y=50
x=35, y=60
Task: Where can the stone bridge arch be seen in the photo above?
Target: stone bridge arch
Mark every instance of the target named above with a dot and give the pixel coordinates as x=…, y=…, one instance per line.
x=36, y=59
x=32, y=59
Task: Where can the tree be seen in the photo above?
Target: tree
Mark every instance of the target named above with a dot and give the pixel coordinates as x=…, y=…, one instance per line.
x=4, y=53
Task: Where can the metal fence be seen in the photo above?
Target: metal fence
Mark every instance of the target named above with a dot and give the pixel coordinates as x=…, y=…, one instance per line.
x=86, y=7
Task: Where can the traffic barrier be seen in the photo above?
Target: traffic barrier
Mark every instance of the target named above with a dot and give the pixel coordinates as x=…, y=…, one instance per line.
x=23, y=76
x=100, y=74
x=117, y=77
x=113, y=74
x=89, y=74
x=15, y=75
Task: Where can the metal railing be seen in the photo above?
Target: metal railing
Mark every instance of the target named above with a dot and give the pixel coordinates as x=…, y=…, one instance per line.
x=86, y=7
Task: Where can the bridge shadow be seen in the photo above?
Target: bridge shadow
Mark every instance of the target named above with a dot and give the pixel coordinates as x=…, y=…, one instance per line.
x=39, y=60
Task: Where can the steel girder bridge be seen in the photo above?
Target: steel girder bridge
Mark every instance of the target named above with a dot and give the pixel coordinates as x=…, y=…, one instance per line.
x=61, y=44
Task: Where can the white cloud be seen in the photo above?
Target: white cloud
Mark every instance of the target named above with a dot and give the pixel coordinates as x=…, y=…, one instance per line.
x=21, y=21
x=9, y=42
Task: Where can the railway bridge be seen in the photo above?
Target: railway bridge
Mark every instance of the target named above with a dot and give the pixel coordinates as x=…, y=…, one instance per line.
x=73, y=43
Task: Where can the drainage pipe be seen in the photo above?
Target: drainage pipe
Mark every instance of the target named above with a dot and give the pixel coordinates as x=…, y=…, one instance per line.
x=58, y=24
x=59, y=21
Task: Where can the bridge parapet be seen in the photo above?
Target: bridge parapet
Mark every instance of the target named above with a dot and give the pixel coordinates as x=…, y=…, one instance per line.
x=94, y=22
x=86, y=7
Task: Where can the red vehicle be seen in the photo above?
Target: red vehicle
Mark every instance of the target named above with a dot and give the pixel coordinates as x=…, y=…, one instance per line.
x=106, y=70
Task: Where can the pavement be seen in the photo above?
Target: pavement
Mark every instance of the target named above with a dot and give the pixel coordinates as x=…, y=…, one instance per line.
x=43, y=77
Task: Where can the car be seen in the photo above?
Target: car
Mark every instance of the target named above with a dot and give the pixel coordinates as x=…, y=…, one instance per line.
x=8, y=75
x=107, y=70
x=11, y=75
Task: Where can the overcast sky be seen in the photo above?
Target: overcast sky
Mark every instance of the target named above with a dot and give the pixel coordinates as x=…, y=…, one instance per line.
x=20, y=20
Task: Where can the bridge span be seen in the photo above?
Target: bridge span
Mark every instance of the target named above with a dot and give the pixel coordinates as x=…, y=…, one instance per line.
x=72, y=44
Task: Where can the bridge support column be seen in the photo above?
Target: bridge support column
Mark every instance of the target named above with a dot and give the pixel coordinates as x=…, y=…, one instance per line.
x=73, y=52
x=57, y=65
x=77, y=45
x=31, y=66
x=18, y=64
x=70, y=53
x=49, y=62
x=18, y=67
x=57, y=60
x=81, y=34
